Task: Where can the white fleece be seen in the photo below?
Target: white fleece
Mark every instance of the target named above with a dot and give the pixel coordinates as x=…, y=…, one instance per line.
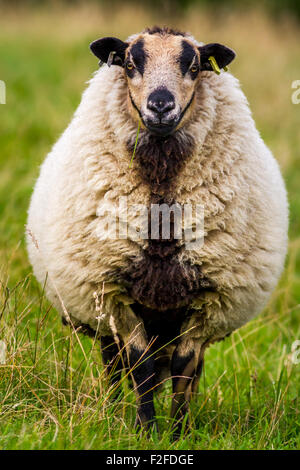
x=232, y=173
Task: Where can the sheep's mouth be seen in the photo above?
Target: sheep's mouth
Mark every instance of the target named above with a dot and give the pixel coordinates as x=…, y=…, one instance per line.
x=161, y=128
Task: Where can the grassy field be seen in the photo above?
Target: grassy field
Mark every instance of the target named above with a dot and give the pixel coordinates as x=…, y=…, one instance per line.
x=53, y=394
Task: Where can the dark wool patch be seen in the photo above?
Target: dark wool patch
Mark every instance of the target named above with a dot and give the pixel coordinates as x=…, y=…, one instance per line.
x=162, y=247
x=163, y=283
x=158, y=280
x=161, y=159
x=165, y=30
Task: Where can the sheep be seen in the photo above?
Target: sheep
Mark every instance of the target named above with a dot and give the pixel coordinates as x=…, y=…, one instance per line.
x=161, y=302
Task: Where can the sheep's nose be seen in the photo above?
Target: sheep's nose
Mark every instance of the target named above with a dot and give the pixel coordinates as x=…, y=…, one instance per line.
x=161, y=101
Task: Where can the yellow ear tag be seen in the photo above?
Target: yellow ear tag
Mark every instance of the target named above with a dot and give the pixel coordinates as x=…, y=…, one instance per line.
x=214, y=65
x=225, y=68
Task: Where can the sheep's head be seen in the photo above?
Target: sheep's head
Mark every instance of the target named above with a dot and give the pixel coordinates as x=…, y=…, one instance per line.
x=162, y=69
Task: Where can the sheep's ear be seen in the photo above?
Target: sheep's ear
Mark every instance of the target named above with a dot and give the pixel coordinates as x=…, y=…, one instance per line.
x=110, y=50
x=222, y=54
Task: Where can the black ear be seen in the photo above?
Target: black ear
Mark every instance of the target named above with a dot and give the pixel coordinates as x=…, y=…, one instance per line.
x=102, y=48
x=222, y=54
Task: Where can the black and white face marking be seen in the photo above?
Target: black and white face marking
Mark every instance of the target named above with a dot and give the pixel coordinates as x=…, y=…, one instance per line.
x=189, y=60
x=136, y=59
x=161, y=75
x=162, y=68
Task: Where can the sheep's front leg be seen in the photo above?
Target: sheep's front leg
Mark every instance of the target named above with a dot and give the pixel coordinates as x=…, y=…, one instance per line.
x=141, y=364
x=113, y=360
x=183, y=369
x=199, y=368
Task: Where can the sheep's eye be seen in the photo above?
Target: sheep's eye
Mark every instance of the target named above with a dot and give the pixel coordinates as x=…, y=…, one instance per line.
x=129, y=65
x=194, y=68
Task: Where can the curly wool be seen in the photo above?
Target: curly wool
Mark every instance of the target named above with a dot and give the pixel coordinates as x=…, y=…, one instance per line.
x=230, y=171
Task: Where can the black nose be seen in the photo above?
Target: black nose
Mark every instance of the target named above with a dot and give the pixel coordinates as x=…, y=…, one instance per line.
x=161, y=101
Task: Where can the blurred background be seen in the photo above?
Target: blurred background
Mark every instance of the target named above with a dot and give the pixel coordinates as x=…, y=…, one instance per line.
x=45, y=63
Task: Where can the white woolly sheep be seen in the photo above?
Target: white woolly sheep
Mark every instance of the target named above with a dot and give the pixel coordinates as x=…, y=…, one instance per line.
x=197, y=145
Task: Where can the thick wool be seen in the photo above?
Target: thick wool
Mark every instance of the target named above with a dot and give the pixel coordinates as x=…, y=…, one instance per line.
x=228, y=169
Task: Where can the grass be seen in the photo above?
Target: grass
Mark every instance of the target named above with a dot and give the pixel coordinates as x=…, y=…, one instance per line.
x=53, y=394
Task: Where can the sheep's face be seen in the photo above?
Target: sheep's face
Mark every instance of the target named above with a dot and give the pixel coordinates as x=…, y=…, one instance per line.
x=162, y=72
x=162, y=69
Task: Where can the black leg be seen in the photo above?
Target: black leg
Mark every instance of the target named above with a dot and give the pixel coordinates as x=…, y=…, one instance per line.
x=113, y=361
x=183, y=371
x=200, y=365
x=142, y=369
x=140, y=362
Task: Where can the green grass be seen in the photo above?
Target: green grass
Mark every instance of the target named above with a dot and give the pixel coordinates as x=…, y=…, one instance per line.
x=53, y=393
